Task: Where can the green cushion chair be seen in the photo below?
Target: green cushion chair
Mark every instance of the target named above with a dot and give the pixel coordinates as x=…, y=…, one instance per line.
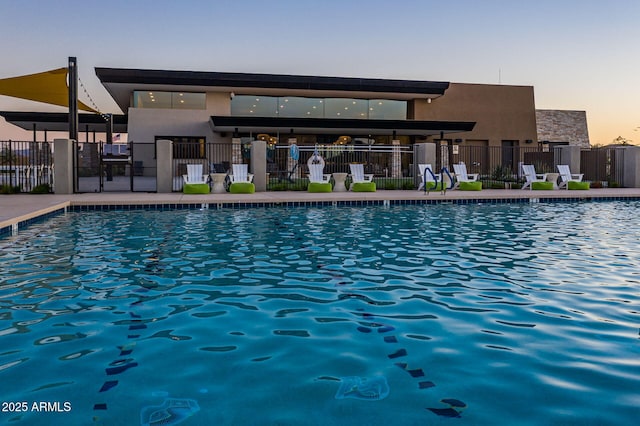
x=541, y=185
x=470, y=186
x=195, y=188
x=573, y=184
x=319, y=187
x=363, y=187
x=433, y=186
x=242, y=188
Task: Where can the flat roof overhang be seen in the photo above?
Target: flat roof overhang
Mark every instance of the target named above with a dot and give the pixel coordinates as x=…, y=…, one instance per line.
x=338, y=126
x=59, y=121
x=120, y=83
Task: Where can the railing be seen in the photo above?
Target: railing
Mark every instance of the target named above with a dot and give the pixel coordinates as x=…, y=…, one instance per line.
x=102, y=167
x=214, y=158
x=498, y=166
x=26, y=166
x=391, y=165
x=603, y=166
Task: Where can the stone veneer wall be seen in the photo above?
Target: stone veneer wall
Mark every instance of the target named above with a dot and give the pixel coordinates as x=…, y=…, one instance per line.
x=563, y=126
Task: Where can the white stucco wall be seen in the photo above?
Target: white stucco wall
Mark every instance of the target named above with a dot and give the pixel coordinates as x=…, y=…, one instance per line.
x=145, y=124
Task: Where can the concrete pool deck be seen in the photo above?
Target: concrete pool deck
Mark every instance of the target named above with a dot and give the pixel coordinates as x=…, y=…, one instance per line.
x=19, y=208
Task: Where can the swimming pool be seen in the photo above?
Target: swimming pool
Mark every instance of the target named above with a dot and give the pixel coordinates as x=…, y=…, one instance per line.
x=498, y=314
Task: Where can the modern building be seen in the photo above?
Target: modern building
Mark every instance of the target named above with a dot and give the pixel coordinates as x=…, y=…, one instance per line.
x=202, y=109
x=214, y=107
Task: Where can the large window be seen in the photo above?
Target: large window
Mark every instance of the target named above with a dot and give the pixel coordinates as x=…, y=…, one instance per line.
x=294, y=106
x=169, y=100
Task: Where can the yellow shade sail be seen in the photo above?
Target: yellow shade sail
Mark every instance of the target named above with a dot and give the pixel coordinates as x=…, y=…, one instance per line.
x=49, y=87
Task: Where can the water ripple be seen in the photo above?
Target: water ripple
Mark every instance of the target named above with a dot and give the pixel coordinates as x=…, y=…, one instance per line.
x=492, y=297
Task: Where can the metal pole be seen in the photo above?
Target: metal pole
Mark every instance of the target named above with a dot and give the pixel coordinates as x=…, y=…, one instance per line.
x=109, y=132
x=73, y=98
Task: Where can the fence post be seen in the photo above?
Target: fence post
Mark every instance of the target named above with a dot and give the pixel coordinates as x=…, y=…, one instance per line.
x=236, y=151
x=631, y=170
x=259, y=164
x=63, y=171
x=291, y=162
x=570, y=155
x=423, y=153
x=164, y=164
x=396, y=162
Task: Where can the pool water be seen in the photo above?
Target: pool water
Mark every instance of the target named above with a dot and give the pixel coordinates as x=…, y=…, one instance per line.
x=407, y=315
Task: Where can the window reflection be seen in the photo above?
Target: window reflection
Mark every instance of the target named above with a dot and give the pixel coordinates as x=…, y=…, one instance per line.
x=301, y=107
x=168, y=100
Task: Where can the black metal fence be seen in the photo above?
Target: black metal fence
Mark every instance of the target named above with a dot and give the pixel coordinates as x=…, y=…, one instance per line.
x=26, y=167
x=391, y=165
x=214, y=158
x=603, y=166
x=499, y=167
x=102, y=167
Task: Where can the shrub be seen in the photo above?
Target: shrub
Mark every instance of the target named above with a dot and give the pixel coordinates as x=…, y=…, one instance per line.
x=8, y=189
x=408, y=185
x=41, y=189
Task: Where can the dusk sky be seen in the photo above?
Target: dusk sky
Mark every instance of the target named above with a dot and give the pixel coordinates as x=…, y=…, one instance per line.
x=578, y=55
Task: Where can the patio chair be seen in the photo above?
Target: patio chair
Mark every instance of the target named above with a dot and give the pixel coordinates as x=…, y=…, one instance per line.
x=241, y=180
x=529, y=172
x=566, y=176
x=428, y=177
x=318, y=180
x=195, y=174
x=460, y=170
x=241, y=174
x=361, y=182
x=317, y=175
x=195, y=182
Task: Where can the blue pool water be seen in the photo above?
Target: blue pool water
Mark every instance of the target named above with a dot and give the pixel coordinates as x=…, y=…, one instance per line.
x=407, y=315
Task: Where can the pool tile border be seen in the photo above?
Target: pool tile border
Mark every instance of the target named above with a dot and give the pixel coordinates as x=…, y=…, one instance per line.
x=337, y=203
x=14, y=228
x=9, y=230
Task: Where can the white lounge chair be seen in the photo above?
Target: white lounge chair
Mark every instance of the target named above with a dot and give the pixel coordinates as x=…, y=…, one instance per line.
x=566, y=176
x=531, y=176
x=195, y=174
x=460, y=170
x=241, y=180
x=358, y=176
x=240, y=173
x=426, y=175
x=317, y=175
